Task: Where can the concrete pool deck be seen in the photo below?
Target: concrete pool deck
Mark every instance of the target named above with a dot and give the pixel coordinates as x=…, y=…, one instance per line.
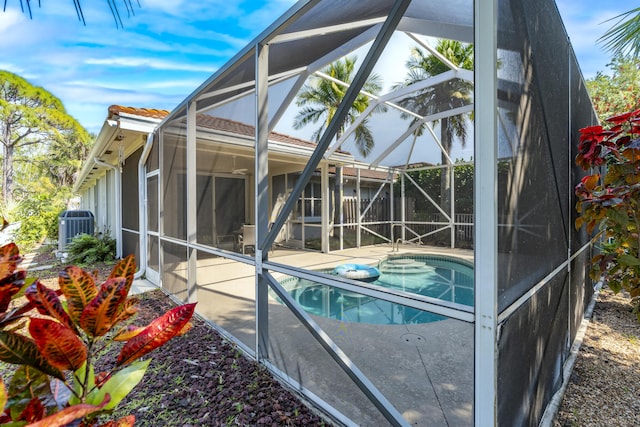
x=424, y=370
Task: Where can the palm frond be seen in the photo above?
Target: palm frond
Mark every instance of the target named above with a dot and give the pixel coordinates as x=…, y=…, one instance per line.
x=115, y=11
x=623, y=39
x=364, y=138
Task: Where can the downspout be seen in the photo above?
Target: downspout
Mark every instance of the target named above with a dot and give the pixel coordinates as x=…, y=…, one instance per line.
x=142, y=205
x=118, y=172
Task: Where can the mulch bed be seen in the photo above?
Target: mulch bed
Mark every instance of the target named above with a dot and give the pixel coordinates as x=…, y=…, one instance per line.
x=198, y=379
x=604, y=388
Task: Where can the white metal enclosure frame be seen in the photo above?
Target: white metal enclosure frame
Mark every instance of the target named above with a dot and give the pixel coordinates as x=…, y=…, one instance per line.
x=318, y=26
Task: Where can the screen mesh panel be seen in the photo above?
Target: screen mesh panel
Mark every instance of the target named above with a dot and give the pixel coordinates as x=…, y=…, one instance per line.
x=174, y=182
x=174, y=269
x=130, y=197
x=131, y=245
x=531, y=351
x=543, y=103
x=226, y=296
x=533, y=217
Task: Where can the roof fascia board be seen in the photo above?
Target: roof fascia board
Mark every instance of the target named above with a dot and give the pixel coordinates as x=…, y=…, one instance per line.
x=290, y=16
x=125, y=121
x=283, y=147
x=139, y=117
x=144, y=126
x=106, y=134
x=283, y=38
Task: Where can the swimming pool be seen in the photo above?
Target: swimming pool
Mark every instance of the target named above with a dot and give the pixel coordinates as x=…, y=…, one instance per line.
x=436, y=276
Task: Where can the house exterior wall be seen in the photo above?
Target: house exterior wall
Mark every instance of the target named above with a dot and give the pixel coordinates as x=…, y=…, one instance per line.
x=105, y=196
x=104, y=204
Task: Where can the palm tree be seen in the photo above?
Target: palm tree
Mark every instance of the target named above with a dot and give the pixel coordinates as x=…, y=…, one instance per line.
x=115, y=11
x=320, y=98
x=445, y=96
x=623, y=39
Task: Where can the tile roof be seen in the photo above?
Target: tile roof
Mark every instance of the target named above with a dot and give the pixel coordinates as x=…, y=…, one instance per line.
x=115, y=110
x=239, y=128
x=214, y=123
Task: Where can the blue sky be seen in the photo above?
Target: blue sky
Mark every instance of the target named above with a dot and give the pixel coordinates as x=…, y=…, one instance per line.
x=168, y=48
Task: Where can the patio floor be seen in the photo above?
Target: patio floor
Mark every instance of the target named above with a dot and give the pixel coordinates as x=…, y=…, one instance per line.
x=425, y=370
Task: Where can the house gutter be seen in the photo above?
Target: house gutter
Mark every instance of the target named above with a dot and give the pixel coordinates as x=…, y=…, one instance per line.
x=142, y=205
x=118, y=173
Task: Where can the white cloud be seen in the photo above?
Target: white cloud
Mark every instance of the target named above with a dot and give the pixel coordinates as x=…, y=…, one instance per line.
x=7, y=66
x=132, y=62
x=10, y=19
x=220, y=9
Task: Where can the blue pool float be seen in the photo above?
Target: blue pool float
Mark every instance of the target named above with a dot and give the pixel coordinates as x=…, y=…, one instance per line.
x=362, y=272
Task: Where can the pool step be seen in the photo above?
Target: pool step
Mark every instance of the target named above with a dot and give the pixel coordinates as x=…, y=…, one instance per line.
x=405, y=266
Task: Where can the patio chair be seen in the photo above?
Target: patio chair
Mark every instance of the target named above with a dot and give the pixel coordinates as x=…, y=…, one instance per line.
x=248, y=237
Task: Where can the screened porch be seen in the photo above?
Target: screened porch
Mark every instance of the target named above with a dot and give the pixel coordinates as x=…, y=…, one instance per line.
x=444, y=155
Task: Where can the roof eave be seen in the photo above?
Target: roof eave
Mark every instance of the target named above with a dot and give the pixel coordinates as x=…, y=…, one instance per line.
x=108, y=130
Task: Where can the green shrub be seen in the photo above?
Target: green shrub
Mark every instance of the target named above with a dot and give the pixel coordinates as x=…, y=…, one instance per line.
x=57, y=382
x=38, y=215
x=609, y=200
x=88, y=249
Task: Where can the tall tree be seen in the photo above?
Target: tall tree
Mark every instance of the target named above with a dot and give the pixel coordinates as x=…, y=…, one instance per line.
x=35, y=127
x=451, y=94
x=619, y=92
x=320, y=98
x=623, y=39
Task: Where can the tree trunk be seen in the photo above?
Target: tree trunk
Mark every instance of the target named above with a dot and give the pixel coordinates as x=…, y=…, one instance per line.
x=7, y=172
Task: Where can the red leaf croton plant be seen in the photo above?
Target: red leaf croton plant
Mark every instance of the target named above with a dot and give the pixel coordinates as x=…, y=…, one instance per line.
x=609, y=200
x=55, y=338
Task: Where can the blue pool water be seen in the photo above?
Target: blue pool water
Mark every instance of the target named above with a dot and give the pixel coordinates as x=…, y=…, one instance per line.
x=444, y=278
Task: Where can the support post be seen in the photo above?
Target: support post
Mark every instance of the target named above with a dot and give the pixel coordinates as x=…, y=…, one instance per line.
x=358, y=205
x=262, y=200
x=486, y=214
x=403, y=207
x=192, y=214
x=452, y=204
x=325, y=211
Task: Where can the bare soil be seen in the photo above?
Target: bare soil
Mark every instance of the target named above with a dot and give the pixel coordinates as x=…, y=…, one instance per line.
x=604, y=388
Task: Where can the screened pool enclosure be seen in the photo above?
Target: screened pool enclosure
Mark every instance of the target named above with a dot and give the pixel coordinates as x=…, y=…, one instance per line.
x=431, y=140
